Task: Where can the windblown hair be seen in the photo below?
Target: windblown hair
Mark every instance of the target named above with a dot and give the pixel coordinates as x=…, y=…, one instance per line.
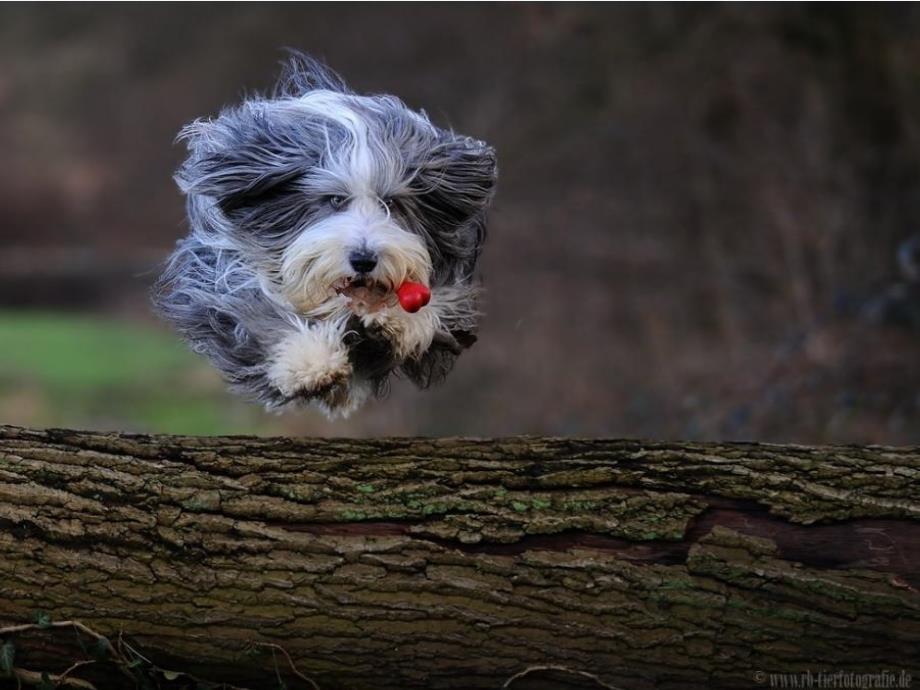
x=280, y=189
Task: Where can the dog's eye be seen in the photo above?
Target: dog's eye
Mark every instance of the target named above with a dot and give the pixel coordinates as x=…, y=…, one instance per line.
x=336, y=201
x=388, y=201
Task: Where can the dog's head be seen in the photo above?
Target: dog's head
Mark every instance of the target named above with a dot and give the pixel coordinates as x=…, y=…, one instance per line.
x=323, y=190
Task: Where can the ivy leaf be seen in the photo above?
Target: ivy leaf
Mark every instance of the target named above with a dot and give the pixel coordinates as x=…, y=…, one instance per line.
x=7, y=656
x=43, y=619
x=100, y=649
x=138, y=670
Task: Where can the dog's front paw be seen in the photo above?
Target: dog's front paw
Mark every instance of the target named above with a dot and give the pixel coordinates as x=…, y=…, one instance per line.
x=331, y=388
x=408, y=334
x=310, y=365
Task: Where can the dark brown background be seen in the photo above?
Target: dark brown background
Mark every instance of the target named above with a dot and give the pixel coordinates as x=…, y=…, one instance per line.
x=695, y=233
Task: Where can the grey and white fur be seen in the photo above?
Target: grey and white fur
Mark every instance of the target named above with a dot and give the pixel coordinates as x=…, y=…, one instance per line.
x=294, y=199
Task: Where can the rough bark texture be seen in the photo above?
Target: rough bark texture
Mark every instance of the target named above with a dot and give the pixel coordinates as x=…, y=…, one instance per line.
x=459, y=563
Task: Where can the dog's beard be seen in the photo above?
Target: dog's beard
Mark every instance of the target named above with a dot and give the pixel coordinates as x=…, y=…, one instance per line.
x=316, y=277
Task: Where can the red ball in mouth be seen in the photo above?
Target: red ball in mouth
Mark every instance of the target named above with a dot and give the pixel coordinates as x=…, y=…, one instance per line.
x=413, y=296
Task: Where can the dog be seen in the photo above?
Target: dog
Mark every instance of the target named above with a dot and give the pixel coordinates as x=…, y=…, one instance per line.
x=308, y=208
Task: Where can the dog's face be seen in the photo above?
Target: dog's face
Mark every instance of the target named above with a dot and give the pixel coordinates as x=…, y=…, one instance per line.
x=324, y=191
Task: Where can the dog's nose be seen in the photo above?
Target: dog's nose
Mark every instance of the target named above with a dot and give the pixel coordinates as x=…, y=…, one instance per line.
x=362, y=260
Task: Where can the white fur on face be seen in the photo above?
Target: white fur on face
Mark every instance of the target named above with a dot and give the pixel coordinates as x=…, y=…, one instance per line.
x=364, y=165
x=365, y=169
x=318, y=258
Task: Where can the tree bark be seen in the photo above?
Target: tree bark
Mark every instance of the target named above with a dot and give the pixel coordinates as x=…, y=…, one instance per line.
x=457, y=563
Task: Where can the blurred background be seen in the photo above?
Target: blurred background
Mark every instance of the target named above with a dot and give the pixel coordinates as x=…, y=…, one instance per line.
x=706, y=226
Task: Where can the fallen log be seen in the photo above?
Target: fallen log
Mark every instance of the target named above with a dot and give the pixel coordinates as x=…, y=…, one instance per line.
x=452, y=563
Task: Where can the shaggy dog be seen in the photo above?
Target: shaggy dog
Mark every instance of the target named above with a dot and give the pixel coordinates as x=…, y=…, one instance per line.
x=310, y=210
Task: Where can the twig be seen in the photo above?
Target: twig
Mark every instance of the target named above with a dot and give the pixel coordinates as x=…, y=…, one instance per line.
x=290, y=661
x=73, y=667
x=122, y=655
x=554, y=667
x=13, y=629
x=122, y=643
x=36, y=678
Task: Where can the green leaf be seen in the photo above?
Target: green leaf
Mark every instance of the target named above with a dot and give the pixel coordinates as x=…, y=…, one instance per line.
x=141, y=679
x=43, y=619
x=100, y=649
x=7, y=657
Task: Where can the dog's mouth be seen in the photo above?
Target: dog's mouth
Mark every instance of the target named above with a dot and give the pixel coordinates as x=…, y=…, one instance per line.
x=366, y=295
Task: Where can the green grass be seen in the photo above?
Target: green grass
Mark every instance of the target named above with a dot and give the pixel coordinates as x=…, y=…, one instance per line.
x=80, y=354
x=90, y=371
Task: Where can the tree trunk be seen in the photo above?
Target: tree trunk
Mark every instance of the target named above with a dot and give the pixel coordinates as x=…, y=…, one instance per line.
x=455, y=563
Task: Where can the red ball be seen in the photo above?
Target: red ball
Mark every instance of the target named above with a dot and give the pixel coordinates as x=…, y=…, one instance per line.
x=413, y=296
